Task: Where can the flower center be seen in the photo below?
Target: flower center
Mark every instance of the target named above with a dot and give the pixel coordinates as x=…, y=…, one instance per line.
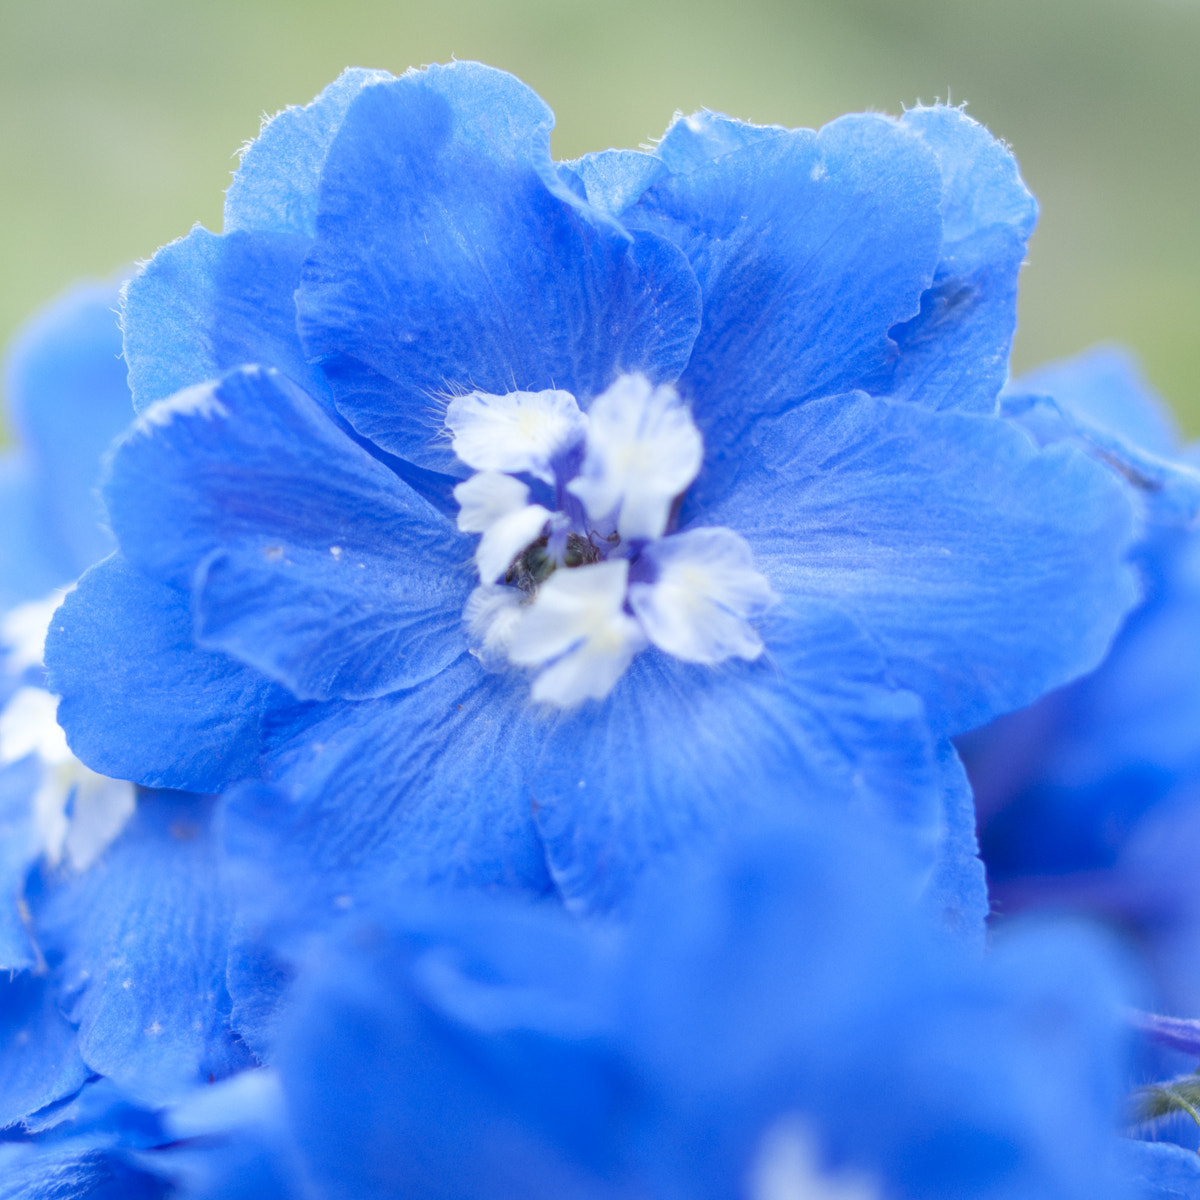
x=580, y=566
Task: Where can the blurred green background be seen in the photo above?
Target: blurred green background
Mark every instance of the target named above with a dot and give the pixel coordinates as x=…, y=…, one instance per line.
x=121, y=118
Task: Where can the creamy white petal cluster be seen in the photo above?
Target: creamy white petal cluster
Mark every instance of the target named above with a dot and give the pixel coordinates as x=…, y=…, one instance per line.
x=76, y=812
x=579, y=566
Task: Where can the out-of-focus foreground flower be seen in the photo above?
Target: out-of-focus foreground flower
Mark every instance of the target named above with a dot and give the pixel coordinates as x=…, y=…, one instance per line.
x=780, y=1023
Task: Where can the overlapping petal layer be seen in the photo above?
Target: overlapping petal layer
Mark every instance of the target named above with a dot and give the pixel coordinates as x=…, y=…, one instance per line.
x=190, y=723
x=449, y=259
x=140, y=945
x=987, y=571
x=307, y=558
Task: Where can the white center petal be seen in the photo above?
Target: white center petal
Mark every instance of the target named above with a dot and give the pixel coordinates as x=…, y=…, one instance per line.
x=516, y=432
x=643, y=450
x=706, y=590
x=494, y=505
x=787, y=1167
x=23, y=631
x=578, y=621
x=506, y=539
x=486, y=498
x=491, y=616
x=29, y=725
x=99, y=811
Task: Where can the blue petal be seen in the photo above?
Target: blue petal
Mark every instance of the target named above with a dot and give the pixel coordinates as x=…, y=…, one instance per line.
x=309, y=560
x=1160, y=1170
x=1073, y=782
x=955, y=353
x=691, y=143
x=20, y=847
x=1142, y=709
x=39, y=1060
x=29, y=566
x=426, y=785
x=69, y=399
x=956, y=894
x=76, y=1170
x=450, y=257
x=1105, y=387
x=259, y=970
x=614, y=180
x=987, y=571
x=139, y=700
x=206, y=304
x=232, y=1141
x=679, y=756
x=140, y=940
x=1099, y=401
x=275, y=186
x=1167, y=489
x=809, y=247
x=449, y=1054
x=799, y=983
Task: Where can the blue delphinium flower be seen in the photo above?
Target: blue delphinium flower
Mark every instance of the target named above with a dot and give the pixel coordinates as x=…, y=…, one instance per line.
x=721, y=415
x=782, y=1024
x=1090, y=798
x=67, y=399
x=113, y=922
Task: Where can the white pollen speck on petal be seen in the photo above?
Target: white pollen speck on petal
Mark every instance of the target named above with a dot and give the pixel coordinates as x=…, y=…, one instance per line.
x=643, y=450
x=706, y=590
x=577, y=625
x=517, y=432
x=23, y=631
x=788, y=1167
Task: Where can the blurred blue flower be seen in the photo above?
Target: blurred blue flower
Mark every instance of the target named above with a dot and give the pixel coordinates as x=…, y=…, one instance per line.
x=67, y=399
x=781, y=1024
x=113, y=922
x=830, y=554
x=1091, y=798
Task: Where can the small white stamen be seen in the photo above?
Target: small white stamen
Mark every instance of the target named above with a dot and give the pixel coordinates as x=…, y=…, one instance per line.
x=518, y=432
x=787, y=1167
x=643, y=450
x=494, y=505
x=577, y=623
x=23, y=631
x=706, y=590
